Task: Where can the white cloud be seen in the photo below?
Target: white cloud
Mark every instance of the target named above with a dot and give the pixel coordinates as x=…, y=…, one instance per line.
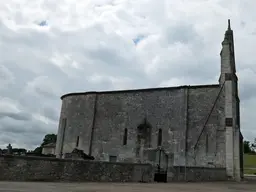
x=7, y=106
x=48, y=48
x=43, y=86
x=6, y=77
x=111, y=81
x=11, y=109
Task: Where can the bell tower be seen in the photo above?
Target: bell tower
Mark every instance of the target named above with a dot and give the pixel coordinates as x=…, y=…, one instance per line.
x=229, y=80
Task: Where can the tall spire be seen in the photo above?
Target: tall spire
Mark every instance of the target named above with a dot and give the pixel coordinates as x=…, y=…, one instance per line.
x=229, y=28
x=227, y=54
x=228, y=34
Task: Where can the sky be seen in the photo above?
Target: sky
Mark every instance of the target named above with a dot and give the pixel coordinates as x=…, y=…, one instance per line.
x=49, y=48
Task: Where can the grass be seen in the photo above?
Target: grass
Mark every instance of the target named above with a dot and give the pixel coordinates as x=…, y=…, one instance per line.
x=249, y=162
x=249, y=171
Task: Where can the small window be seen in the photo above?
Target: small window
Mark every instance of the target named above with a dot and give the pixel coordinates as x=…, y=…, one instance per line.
x=112, y=158
x=159, y=140
x=64, y=125
x=125, y=137
x=77, y=141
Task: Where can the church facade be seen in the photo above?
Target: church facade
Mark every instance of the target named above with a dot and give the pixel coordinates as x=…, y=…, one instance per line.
x=190, y=126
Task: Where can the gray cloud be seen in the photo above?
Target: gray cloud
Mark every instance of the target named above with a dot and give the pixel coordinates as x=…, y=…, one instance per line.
x=18, y=116
x=92, y=48
x=51, y=113
x=6, y=76
x=181, y=32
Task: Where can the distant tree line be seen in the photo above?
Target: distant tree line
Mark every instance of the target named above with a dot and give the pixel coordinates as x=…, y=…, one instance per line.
x=250, y=147
x=18, y=151
x=48, y=138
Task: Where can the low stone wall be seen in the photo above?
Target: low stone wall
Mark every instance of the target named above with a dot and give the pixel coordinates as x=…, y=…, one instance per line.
x=179, y=173
x=18, y=168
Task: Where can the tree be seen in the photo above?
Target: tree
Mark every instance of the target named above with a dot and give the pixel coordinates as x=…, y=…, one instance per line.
x=38, y=150
x=253, y=146
x=49, y=138
x=247, y=147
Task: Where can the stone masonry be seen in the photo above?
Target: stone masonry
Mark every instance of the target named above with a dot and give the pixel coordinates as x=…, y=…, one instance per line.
x=197, y=126
x=23, y=168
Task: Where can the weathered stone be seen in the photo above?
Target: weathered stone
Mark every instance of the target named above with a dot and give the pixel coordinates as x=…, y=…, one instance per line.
x=194, y=122
x=18, y=168
x=178, y=173
x=164, y=108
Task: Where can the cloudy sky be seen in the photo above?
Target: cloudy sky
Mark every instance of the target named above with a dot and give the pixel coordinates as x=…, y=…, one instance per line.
x=49, y=48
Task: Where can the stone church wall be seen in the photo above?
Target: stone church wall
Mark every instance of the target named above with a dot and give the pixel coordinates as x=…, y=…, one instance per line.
x=78, y=112
x=18, y=168
x=180, y=112
x=115, y=111
x=206, y=117
x=163, y=109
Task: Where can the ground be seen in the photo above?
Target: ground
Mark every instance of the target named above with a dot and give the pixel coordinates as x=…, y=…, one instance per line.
x=249, y=164
x=127, y=187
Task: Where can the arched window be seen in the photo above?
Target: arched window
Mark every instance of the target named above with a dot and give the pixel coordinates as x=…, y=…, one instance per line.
x=144, y=133
x=159, y=140
x=125, y=137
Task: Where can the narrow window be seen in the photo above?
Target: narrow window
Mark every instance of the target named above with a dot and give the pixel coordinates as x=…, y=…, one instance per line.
x=159, y=140
x=206, y=144
x=125, y=137
x=77, y=141
x=63, y=124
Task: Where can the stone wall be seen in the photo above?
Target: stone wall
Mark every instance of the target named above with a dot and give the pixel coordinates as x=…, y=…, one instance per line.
x=180, y=173
x=206, y=133
x=162, y=108
x=115, y=111
x=18, y=168
x=78, y=112
x=99, y=120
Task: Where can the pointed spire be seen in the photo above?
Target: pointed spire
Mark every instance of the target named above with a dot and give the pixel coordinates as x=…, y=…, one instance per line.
x=229, y=28
x=228, y=34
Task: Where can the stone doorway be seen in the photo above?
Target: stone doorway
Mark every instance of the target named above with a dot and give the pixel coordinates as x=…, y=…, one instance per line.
x=161, y=166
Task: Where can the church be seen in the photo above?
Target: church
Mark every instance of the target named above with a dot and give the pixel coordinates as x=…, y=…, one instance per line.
x=190, y=126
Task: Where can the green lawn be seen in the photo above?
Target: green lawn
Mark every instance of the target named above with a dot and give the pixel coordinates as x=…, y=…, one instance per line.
x=249, y=162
